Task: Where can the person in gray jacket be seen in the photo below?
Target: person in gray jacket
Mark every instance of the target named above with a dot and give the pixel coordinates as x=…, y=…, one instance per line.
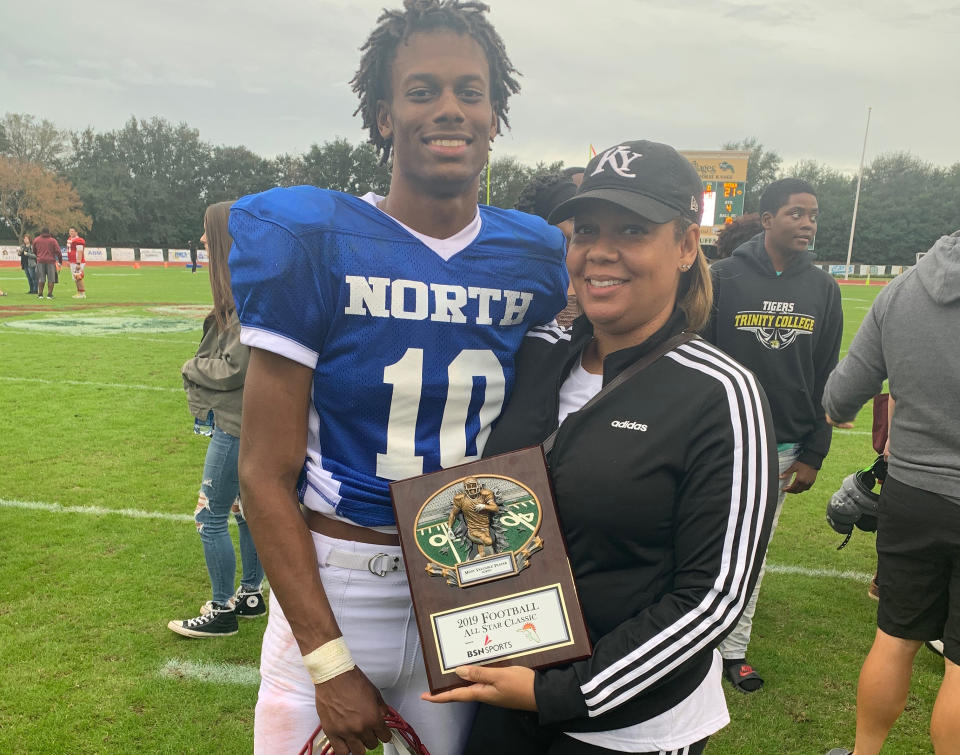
x=910, y=338
x=213, y=380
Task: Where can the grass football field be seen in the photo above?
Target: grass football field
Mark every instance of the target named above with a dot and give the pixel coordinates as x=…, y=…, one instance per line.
x=98, y=550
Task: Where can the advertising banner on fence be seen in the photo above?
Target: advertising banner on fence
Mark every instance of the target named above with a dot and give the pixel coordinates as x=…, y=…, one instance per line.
x=840, y=269
x=122, y=254
x=202, y=255
x=95, y=254
x=179, y=255
x=9, y=253
x=151, y=255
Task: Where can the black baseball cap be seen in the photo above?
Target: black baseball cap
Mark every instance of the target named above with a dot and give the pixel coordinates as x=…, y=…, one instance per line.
x=648, y=178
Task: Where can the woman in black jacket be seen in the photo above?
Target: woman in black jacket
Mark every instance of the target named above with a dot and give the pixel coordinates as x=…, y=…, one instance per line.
x=28, y=263
x=665, y=486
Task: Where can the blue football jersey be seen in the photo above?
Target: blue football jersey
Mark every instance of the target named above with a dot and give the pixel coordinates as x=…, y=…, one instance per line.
x=413, y=354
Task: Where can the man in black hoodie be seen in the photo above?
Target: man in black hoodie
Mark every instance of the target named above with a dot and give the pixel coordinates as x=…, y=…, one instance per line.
x=780, y=316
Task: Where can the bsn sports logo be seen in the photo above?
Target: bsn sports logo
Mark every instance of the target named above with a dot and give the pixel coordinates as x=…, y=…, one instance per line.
x=625, y=424
x=619, y=159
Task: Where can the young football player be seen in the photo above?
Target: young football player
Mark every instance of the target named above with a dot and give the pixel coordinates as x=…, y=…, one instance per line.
x=78, y=261
x=383, y=333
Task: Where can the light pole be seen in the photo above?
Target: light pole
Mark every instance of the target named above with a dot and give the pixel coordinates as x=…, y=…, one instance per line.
x=856, y=201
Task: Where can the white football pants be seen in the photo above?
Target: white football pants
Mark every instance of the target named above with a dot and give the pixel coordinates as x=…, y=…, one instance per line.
x=378, y=624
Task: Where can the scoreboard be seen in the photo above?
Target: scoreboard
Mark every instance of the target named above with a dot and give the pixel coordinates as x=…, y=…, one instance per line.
x=724, y=176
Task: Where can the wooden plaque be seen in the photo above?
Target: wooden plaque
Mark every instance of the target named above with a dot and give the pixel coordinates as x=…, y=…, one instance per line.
x=488, y=568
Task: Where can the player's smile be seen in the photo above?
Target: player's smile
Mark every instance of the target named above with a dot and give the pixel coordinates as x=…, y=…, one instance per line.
x=448, y=146
x=440, y=116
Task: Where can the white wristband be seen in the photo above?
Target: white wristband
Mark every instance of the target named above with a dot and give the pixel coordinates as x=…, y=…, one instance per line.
x=329, y=660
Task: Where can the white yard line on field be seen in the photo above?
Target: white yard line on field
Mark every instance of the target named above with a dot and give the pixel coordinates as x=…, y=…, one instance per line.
x=803, y=571
x=14, y=332
x=215, y=673
x=129, y=386
x=57, y=508
x=842, y=431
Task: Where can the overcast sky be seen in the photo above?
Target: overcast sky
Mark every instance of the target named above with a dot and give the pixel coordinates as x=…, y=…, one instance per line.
x=272, y=74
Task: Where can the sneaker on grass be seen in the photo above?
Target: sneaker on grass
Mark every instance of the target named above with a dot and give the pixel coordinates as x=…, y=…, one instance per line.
x=249, y=604
x=208, y=606
x=221, y=621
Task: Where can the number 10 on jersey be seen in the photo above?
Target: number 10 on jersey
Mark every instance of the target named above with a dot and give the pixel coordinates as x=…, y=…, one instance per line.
x=407, y=377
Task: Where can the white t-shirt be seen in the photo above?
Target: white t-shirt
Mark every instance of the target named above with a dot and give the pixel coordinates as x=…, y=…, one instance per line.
x=700, y=714
x=444, y=248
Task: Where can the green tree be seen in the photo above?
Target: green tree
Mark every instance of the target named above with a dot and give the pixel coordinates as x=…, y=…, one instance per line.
x=508, y=177
x=167, y=163
x=288, y=170
x=105, y=184
x=33, y=141
x=341, y=166
x=234, y=172
x=762, y=169
x=903, y=209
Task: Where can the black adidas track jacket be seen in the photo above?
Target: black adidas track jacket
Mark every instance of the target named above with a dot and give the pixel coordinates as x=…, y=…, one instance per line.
x=666, y=491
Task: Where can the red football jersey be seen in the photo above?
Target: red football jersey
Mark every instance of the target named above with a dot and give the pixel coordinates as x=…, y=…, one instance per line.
x=73, y=244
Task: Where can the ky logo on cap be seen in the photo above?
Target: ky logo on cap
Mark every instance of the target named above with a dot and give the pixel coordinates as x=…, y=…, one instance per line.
x=619, y=159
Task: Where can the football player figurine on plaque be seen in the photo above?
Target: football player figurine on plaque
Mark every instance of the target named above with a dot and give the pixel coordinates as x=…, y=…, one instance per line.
x=469, y=535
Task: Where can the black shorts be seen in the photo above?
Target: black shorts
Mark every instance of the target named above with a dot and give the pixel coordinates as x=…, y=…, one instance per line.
x=918, y=565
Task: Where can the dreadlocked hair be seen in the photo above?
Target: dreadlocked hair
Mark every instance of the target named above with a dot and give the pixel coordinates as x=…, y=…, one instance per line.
x=372, y=80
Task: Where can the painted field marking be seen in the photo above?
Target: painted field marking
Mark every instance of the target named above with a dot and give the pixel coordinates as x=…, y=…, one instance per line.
x=843, y=431
x=11, y=331
x=96, y=274
x=214, y=673
x=450, y=539
x=803, y=571
x=57, y=508
x=128, y=386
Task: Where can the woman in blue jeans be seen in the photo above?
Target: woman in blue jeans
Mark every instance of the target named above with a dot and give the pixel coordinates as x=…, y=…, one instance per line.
x=213, y=380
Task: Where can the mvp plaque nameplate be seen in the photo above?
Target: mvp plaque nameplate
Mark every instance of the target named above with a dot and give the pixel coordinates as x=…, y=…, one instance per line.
x=487, y=566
